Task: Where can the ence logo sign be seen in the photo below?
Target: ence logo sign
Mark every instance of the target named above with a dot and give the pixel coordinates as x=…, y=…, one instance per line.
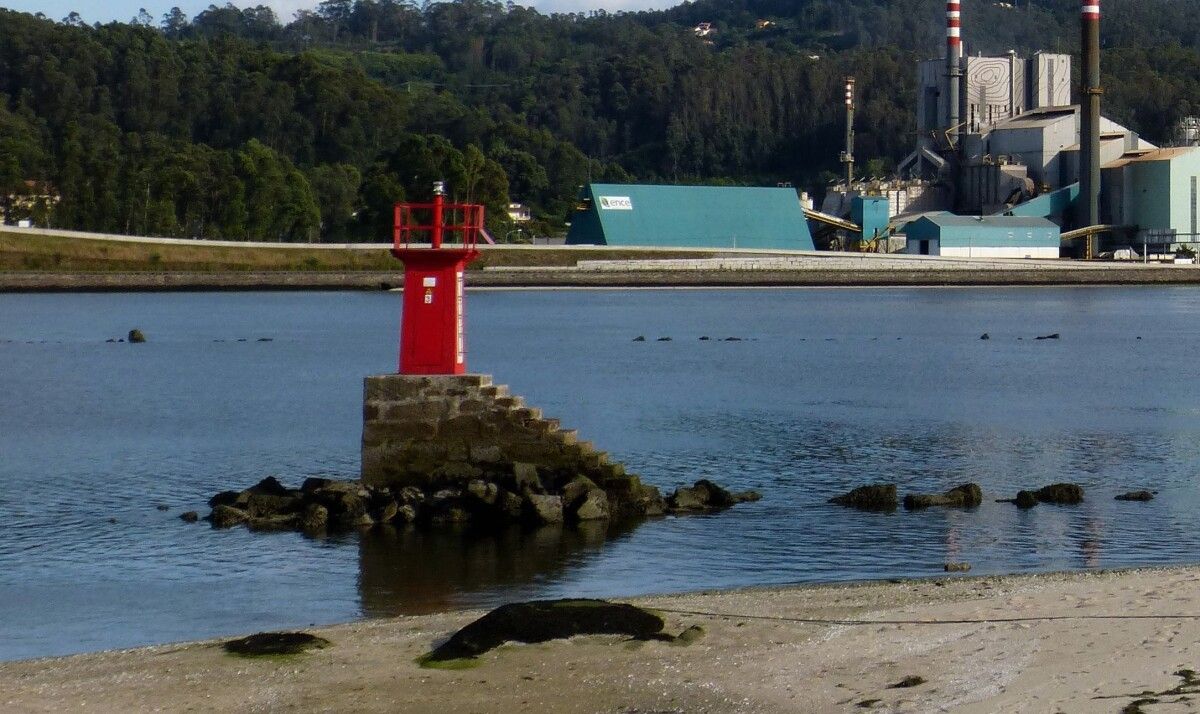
x=616, y=203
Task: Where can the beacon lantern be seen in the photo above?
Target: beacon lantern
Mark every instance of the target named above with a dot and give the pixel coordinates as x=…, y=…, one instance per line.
x=431, y=323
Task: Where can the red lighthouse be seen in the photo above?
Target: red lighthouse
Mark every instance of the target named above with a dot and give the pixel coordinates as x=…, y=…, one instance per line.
x=431, y=326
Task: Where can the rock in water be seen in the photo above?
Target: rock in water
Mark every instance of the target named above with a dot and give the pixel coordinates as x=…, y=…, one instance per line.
x=315, y=518
x=592, y=507
x=136, y=336
x=985, y=336
x=956, y=567
x=543, y=510
x=1026, y=499
x=1136, y=496
x=189, y=517
x=227, y=516
x=876, y=497
x=968, y=495
x=545, y=620
x=1062, y=493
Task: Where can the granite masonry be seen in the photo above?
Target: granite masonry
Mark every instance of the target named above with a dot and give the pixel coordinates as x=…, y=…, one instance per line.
x=448, y=431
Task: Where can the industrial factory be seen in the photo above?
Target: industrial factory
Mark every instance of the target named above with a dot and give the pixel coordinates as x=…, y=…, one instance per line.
x=1005, y=166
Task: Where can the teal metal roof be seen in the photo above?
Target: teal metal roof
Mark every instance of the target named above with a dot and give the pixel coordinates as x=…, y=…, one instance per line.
x=951, y=230
x=1010, y=222
x=690, y=217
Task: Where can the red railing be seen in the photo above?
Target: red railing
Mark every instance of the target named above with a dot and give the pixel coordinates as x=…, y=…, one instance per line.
x=430, y=222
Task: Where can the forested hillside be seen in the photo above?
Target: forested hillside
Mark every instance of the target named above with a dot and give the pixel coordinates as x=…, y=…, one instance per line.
x=236, y=125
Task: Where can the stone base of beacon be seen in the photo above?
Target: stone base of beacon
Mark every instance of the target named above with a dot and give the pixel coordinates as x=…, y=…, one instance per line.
x=463, y=433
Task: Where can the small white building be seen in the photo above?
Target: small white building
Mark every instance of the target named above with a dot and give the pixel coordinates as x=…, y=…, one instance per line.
x=518, y=212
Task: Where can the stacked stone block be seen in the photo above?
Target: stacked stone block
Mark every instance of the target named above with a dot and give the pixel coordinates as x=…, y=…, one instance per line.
x=449, y=431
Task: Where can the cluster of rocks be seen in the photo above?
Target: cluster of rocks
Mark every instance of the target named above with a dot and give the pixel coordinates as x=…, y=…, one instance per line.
x=528, y=494
x=883, y=497
x=135, y=337
x=1066, y=494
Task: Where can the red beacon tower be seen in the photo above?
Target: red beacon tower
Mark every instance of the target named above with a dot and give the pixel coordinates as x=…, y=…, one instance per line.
x=431, y=326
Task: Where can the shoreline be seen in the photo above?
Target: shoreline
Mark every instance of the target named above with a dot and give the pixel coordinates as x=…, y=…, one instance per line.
x=983, y=643
x=554, y=278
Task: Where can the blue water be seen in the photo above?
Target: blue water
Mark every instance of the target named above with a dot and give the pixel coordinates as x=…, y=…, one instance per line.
x=828, y=389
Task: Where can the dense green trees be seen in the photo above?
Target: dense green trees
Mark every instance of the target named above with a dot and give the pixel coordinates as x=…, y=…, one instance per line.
x=234, y=125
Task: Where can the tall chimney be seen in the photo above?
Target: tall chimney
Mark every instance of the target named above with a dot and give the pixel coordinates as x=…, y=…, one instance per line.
x=1089, y=135
x=954, y=63
x=848, y=154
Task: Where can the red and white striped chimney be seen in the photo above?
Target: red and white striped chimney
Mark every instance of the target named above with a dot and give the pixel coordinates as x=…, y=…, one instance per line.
x=954, y=54
x=954, y=29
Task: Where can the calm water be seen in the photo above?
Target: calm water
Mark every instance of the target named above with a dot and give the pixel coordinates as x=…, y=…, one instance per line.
x=832, y=388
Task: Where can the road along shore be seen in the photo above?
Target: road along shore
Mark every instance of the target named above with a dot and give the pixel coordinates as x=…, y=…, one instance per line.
x=1073, y=642
x=643, y=277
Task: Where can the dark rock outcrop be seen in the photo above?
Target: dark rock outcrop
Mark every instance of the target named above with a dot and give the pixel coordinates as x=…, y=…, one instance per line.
x=517, y=493
x=704, y=495
x=1136, y=496
x=1061, y=493
x=274, y=644
x=136, y=337
x=542, y=621
x=1026, y=499
x=875, y=497
x=968, y=495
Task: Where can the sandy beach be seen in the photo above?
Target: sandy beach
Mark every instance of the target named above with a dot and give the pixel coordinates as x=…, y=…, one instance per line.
x=1110, y=642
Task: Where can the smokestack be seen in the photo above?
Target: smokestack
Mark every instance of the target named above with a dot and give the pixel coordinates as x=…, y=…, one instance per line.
x=954, y=55
x=1089, y=135
x=848, y=154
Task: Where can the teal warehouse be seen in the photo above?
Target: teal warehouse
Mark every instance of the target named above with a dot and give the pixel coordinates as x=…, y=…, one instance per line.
x=690, y=217
x=946, y=234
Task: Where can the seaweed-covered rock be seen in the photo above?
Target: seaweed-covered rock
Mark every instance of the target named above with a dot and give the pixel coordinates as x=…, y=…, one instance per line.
x=1062, y=493
x=1026, y=499
x=223, y=516
x=705, y=495
x=540, y=509
x=592, y=507
x=1136, y=496
x=545, y=620
x=274, y=643
x=315, y=518
x=875, y=497
x=136, y=336
x=189, y=517
x=968, y=495
x=260, y=505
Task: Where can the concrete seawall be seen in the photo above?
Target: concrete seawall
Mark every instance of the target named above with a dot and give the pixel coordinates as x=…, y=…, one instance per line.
x=608, y=278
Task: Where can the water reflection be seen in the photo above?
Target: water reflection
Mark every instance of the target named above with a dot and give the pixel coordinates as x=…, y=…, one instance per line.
x=408, y=571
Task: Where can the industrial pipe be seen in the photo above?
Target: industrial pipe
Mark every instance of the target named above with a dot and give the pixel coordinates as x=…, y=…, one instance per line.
x=954, y=64
x=848, y=154
x=1089, y=136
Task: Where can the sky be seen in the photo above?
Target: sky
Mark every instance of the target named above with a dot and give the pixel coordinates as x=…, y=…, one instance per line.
x=124, y=10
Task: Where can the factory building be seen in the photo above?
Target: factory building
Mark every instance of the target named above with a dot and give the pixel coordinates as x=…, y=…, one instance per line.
x=1156, y=191
x=949, y=235
x=690, y=216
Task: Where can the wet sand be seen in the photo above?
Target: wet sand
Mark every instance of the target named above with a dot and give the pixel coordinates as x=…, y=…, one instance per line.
x=1113, y=639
